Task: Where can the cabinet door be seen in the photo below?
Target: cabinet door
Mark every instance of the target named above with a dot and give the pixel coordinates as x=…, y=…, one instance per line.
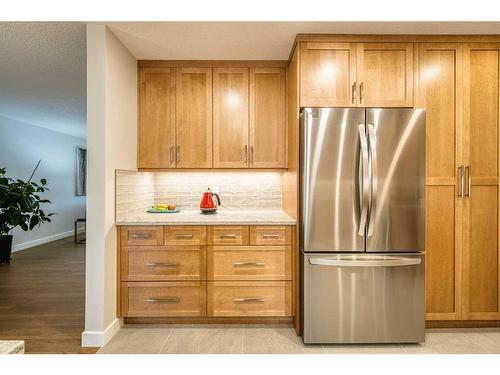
x=440, y=93
x=194, y=118
x=267, y=118
x=327, y=74
x=385, y=74
x=481, y=296
x=230, y=117
x=156, y=133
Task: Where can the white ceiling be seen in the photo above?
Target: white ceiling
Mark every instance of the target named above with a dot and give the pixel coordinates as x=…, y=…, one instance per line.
x=43, y=75
x=259, y=40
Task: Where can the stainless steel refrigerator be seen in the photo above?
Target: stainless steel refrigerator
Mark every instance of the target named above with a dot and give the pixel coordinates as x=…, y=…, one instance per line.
x=362, y=225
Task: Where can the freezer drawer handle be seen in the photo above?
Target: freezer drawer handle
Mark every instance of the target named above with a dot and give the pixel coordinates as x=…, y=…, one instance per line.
x=393, y=262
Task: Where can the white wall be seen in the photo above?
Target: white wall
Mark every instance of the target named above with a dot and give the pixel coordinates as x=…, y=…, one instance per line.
x=21, y=146
x=112, y=137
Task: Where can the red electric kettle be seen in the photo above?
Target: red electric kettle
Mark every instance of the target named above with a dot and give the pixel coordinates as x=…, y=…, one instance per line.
x=208, y=204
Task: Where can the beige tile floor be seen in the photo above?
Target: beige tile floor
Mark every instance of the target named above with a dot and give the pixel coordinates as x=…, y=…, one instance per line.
x=281, y=339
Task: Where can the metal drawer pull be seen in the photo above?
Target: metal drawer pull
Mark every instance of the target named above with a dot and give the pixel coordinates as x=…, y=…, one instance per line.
x=271, y=235
x=248, y=299
x=154, y=264
x=163, y=300
x=353, y=92
x=184, y=236
x=392, y=262
x=245, y=264
x=141, y=236
x=227, y=236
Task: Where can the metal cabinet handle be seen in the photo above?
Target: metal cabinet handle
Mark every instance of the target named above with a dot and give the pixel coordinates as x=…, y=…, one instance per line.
x=178, y=154
x=227, y=236
x=392, y=262
x=245, y=154
x=372, y=161
x=251, y=155
x=249, y=264
x=271, y=236
x=353, y=92
x=363, y=179
x=248, y=299
x=163, y=300
x=171, y=154
x=468, y=173
x=156, y=264
x=361, y=85
x=184, y=236
x=461, y=181
x=141, y=235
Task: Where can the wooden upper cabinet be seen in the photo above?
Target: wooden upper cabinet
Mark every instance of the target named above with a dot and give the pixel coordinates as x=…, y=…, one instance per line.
x=481, y=271
x=230, y=116
x=385, y=74
x=267, y=131
x=327, y=74
x=194, y=117
x=440, y=93
x=156, y=133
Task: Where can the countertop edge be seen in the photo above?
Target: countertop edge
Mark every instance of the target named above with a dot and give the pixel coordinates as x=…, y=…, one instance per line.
x=231, y=222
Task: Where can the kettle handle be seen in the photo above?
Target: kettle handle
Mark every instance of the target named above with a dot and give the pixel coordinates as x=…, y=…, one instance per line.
x=218, y=198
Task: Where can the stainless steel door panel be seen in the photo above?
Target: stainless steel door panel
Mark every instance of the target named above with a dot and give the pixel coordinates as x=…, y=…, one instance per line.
x=329, y=171
x=363, y=298
x=397, y=160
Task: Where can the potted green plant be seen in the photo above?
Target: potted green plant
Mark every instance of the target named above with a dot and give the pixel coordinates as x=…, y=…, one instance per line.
x=19, y=207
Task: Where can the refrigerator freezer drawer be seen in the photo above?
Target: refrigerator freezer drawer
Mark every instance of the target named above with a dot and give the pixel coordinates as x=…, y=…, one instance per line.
x=363, y=298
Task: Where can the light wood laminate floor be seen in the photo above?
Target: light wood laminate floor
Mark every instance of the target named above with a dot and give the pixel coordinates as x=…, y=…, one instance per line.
x=281, y=339
x=42, y=298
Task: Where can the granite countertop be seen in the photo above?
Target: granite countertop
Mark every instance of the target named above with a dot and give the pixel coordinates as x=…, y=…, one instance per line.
x=11, y=347
x=222, y=217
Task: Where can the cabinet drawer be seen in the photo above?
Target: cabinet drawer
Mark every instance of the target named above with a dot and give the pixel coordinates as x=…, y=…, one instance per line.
x=249, y=263
x=257, y=298
x=145, y=263
x=270, y=235
x=141, y=235
x=185, y=235
x=149, y=299
x=228, y=235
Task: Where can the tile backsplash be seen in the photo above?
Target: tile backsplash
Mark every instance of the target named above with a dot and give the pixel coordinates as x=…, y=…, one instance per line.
x=135, y=191
x=237, y=190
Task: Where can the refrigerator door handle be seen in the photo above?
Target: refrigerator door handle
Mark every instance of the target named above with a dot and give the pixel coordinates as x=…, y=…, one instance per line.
x=388, y=262
x=363, y=179
x=372, y=146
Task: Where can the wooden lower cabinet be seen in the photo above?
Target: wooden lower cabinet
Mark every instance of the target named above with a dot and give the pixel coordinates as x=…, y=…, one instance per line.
x=249, y=298
x=163, y=263
x=227, y=235
x=163, y=299
x=249, y=263
x=164, y=271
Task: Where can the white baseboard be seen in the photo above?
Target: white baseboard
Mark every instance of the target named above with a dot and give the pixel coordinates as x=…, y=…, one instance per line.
x=101, y=338
x=41, y=241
